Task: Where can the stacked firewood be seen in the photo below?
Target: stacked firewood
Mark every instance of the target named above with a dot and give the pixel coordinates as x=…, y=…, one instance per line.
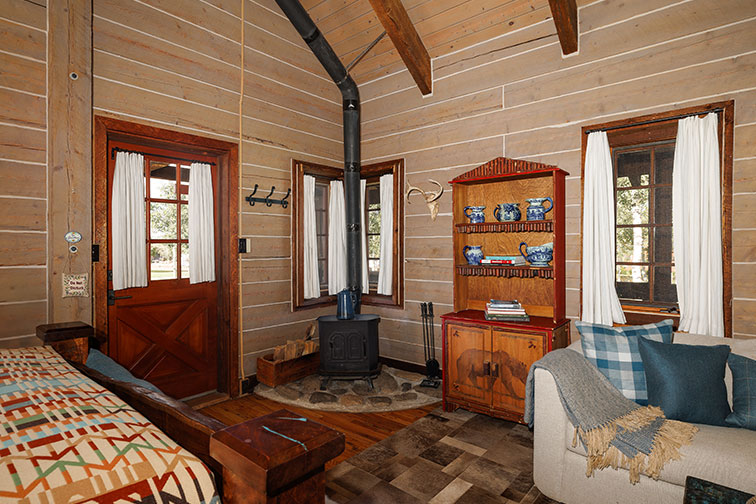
x=296, y=348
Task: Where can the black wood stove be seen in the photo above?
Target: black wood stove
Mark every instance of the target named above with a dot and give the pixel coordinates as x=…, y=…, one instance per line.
x=348, y=348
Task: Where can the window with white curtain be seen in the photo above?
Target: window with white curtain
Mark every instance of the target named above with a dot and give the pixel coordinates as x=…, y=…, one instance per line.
x=642, y=153
x=372, y=225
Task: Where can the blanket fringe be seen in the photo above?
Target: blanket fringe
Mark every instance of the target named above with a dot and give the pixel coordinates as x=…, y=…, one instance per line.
x=667, y=442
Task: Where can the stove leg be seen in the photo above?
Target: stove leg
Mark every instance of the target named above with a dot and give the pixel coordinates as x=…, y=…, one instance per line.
x=370, y=383
x=324, y=382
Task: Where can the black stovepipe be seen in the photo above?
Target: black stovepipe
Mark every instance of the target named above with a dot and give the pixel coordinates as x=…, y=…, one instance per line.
x=351, y=100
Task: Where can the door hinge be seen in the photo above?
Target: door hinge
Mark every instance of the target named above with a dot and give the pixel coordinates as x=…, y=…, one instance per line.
x=95, y=253
x=110, y=275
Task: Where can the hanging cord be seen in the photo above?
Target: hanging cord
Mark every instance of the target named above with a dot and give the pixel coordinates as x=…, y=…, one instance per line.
x=241, y=169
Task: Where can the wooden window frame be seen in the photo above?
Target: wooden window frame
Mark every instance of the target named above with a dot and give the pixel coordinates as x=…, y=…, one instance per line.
x=659, y=127
x=327, y=173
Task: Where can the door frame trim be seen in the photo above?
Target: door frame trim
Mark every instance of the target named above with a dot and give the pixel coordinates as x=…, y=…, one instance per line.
x=227, y=153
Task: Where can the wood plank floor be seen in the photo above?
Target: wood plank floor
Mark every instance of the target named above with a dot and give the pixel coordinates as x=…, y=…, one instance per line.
x=360, y=429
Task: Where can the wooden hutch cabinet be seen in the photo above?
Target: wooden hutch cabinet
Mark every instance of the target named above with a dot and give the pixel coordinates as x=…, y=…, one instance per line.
x=486, y=362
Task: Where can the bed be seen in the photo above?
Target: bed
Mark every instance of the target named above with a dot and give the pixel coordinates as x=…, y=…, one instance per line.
x=72, y=434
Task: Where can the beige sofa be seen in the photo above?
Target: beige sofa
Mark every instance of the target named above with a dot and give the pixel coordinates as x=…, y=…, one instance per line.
x=726, y=456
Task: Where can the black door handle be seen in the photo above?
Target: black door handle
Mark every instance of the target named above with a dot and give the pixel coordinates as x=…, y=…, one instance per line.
x=112, y=297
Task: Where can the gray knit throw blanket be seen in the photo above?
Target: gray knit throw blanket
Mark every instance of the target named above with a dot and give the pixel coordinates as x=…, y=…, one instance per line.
x=614, y=430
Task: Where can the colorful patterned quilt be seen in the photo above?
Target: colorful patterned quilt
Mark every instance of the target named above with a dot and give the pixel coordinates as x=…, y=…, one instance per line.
x=66, y=439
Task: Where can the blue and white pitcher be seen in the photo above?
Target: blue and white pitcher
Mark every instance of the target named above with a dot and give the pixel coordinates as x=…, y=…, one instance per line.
x=507, y=212
x=476, y=214
x=540, y=255
x=473, y=254
x=536, y=211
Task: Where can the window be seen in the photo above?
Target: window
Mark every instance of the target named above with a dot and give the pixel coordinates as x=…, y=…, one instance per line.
x=642, y=152
x=643, y=195
x=323, y=176
x=168, y=217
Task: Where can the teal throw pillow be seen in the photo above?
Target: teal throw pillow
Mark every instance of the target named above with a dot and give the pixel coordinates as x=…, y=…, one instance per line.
x=110, y=368
x=687, y=381
x=614, y=351
x=743, y=392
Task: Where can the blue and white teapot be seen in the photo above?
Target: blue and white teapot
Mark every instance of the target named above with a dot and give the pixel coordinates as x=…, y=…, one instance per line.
x=536, y=210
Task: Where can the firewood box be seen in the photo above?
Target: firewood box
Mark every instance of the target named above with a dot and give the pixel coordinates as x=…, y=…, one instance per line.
x=273, y=373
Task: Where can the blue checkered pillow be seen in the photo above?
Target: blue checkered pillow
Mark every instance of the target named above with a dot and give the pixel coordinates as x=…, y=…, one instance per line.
x=614, y=351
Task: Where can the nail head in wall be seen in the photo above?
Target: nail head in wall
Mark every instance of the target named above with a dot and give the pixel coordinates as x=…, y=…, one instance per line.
x=73, y=75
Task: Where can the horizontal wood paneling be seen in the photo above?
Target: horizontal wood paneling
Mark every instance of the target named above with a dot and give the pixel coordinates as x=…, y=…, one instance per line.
x=22, y=179
x=20, y=320
x=23, y=249
x=635, y=58
x=26, y=12
x=22, y=74
x=23, y=284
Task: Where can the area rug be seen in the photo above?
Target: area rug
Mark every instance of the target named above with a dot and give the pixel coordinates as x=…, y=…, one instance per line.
x=443, y=458
x=393, y=390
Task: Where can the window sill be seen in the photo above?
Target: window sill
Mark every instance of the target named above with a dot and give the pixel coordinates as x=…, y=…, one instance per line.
x=639, y=315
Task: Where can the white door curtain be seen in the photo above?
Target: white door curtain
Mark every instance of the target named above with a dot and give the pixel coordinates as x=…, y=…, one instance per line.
x=201, y=224
x=337, y=271
x=600, y=301
x=311, y=277
x=697, y=226
x=129, y=229
x=385, y=272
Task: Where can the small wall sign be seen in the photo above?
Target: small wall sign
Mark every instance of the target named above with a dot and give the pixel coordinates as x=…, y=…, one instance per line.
x=73, y=237
x=76, y=285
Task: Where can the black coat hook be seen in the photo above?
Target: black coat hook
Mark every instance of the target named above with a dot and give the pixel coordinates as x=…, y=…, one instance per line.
x=251, y=199
x=268, y=201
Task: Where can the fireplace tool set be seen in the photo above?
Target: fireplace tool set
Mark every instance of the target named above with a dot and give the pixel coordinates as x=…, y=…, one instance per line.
x=432, y=368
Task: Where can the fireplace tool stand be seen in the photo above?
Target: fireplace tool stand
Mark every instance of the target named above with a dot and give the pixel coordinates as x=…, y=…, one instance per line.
x=432, y=368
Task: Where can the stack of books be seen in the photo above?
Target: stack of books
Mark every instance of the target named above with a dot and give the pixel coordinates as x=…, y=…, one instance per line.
x=509, y=311
x=517, y=260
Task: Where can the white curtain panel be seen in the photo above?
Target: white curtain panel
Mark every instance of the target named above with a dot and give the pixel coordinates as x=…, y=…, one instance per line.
x=600, y=301
x=311, y=276
x=129, y=224
x=696, y=225
x=385, y=273
x=201, y=224
x=365, y=281
x=337, y=273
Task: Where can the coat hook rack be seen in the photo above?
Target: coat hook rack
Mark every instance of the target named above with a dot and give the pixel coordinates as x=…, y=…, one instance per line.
x=251, y=199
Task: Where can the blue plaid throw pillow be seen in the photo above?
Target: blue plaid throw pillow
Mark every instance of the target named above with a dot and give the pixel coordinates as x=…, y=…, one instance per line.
x=614, y=351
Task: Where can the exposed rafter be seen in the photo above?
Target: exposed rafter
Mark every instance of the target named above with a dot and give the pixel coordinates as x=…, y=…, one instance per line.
x=399, y=28
x=565, y=15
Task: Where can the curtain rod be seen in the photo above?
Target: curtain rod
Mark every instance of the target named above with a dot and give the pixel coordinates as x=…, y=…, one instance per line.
x=118, y=149
x=652, y=121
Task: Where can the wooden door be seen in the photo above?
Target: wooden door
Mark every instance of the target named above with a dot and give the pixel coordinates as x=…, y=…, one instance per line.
x=512, y=354
x=468, y=367
x=166, y=333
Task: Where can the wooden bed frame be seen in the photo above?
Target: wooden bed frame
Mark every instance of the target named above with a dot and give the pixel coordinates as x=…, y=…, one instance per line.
x=247, y=464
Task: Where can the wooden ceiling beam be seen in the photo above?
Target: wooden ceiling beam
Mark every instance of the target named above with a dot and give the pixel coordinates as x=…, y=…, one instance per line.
x=565, y=16
x=399, y=28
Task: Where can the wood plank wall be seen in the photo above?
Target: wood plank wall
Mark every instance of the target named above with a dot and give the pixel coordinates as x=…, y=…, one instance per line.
x=517, y=96
x=23, y=170
x=178, y=65
x=174, y=65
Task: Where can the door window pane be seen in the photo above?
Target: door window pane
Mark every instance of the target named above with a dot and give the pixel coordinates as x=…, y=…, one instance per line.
x=163, y=261
x=162, y=180
x=184, y=260
x=184, y=209
x=184, y=187
x=163, y=221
